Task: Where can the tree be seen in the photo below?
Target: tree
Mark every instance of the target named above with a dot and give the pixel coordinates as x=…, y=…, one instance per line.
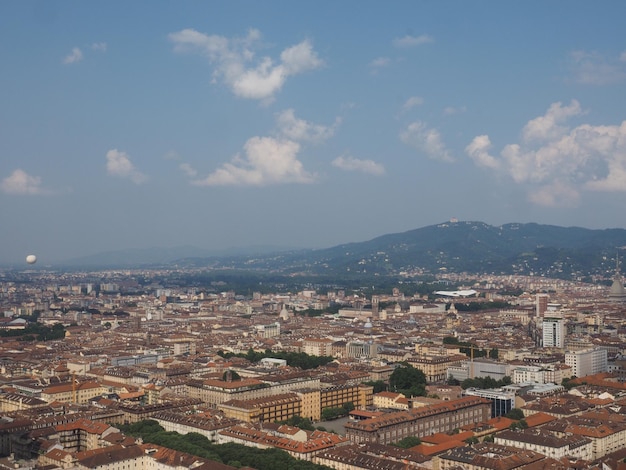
x=485, y=382
x=230, y=375
x=408, y=380
x=379, y=385
x=567, y=383
x=521, y=424
x=407, y=442
x=330, y=413
x=515, y=414
x=300, y=422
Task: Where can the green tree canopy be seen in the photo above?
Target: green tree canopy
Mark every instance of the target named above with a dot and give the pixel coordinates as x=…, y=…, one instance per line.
x=407, y=442
x=408, y=380
x=515, y=413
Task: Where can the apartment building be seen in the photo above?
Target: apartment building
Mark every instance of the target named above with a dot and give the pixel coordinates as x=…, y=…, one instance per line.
x=426, y=420
x=267, y=409
x=214, y=392
x=83, y=434
x=587, y=361
x=487, y=456
x=18, y=402
x=553, y=331
x=200, y=423
x=317, y=346
x=435, y=368
x=547, y=443
x=606, y=434
x=73, y=392
x=308, y=403
x=390, y=400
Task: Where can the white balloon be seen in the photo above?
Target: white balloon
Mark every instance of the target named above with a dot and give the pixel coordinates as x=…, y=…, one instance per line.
x=31, y=259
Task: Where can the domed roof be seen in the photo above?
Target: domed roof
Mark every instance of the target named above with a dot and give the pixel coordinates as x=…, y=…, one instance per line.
x=617, y=291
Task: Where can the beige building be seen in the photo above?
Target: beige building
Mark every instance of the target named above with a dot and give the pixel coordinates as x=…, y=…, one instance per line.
x=390, y=400
x=547, y=443
x=435, y=368
x=84, y=434
x=18, y=402
x=420, y=422
x=267, y=409
x=73, y=392
x=317, y=347
x=486, y=456
x=308, y=403
x=214, y=392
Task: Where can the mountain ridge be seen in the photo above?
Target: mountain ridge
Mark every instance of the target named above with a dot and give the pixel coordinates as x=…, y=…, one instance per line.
x=453, y=246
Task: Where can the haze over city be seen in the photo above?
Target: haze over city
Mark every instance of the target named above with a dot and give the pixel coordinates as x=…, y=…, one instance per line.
x=303, y=124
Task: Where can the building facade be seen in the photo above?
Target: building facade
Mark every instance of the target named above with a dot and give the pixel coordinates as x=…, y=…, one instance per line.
x=420, y=422
x=587, y=361
x=553, y=332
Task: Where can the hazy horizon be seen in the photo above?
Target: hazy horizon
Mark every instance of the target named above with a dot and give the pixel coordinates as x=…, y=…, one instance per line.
x=220, y=125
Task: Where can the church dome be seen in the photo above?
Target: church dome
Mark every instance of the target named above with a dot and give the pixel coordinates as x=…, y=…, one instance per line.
x=617, y=292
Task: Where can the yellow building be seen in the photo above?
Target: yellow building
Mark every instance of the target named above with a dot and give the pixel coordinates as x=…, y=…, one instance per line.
x=435, y=368
x=310, y=403
x=18, y=402
x=335, y=397
x=317, y=346
x=73, y=392
x=269, y=409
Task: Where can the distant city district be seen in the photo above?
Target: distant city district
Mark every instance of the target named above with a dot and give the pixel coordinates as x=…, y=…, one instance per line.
x=506, y=372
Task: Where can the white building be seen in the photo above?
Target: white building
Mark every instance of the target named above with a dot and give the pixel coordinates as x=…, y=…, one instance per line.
x=548, y=444
x=553, y=331
x=525, y=374
x=587, y=361
x=268, y=331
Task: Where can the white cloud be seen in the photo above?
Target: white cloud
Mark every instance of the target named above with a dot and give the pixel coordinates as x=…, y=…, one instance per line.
x=412, y=102
x=427, y=140
x=188, y=170
x=267, y=161
x=303, y=131
x=593, y=68
x=119, y=164
x=380, y=62
x=547, y=127
x=349, y=163
x=21, y=183
x=450, y=110
x=75, y=56
x=99, y=46
x=412, y=41
x=556, y=194
x=236, y=65
x=556, y=161
x=478, y=150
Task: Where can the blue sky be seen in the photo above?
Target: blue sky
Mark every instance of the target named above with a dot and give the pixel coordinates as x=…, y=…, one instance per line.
x=303, y=124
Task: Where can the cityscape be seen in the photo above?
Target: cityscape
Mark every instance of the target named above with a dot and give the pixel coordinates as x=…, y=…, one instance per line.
x=521, y=371
x=312, y=235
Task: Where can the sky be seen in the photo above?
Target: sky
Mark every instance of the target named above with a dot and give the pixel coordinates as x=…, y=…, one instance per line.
x=224, y=124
